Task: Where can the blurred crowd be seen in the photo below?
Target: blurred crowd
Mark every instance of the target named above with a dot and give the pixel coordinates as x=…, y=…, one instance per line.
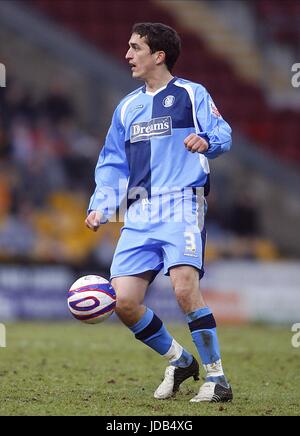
x=47, y=175
x=44, y=158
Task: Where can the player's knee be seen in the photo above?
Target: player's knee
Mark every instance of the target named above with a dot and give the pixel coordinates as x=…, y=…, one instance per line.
x=183, y=292
x=125, y=307
x=184, y=283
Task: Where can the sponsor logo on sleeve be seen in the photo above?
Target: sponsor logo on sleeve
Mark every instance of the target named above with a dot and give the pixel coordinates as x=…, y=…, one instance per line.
x=214, y=110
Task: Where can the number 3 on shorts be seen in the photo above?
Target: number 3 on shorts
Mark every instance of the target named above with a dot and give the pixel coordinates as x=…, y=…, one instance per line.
x=190, y=241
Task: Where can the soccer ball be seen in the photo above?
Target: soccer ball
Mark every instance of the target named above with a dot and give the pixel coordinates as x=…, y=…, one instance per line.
x=91, y=299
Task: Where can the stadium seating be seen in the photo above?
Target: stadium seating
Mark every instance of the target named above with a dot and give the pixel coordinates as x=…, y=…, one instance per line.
x=281, y=19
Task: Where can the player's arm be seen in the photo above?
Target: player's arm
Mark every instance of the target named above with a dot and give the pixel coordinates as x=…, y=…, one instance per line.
x=213, y=133
x=111, y=176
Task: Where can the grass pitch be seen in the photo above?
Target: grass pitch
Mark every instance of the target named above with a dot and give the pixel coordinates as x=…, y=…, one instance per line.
x=76, y=369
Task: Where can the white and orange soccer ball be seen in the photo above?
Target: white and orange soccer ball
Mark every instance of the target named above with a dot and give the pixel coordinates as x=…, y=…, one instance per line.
x=91, y=299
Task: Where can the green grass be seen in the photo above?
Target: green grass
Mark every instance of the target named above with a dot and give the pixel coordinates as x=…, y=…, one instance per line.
x=75, y=369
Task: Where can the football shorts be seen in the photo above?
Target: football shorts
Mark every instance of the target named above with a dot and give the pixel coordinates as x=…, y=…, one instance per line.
x=162, y=233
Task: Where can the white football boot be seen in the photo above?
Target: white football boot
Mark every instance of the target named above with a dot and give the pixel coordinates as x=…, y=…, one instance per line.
x=213, y=390
x=213, y=393
x=174, y=376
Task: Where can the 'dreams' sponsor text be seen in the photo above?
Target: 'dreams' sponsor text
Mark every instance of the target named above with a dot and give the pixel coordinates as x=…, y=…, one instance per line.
x=161, y=126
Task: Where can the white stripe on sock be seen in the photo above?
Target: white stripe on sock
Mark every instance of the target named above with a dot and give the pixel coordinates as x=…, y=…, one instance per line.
x=174, y=352
x=214, y=369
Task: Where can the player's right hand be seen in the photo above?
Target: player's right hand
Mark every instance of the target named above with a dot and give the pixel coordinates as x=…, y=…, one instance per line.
x=93, y=220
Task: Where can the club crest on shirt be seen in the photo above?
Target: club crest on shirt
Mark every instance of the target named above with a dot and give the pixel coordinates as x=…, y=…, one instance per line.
x=168, y=101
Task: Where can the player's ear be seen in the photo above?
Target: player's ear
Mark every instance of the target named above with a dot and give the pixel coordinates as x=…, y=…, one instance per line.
x=160, y=57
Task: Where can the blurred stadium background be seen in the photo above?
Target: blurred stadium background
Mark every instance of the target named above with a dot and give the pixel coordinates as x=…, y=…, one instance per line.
x=65, y=72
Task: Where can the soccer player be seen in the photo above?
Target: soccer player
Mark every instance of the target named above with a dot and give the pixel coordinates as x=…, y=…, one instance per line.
x=156, y=152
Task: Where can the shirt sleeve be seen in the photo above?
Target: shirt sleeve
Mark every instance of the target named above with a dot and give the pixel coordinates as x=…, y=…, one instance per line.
x=212, y=126
x=111, y=174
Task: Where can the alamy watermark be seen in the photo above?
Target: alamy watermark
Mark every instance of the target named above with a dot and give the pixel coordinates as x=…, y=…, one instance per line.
x=296, y=336
x=168, y=204
x=2, y=336
x=296, y=77
x=2, y=76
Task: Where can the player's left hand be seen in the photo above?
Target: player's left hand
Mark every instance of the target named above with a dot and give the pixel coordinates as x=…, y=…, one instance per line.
x=195, y=143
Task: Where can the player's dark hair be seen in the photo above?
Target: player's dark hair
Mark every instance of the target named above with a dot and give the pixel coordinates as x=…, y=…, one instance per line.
x=160, y=37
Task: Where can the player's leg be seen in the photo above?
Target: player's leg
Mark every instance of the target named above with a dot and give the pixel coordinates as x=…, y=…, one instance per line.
x=137, y=260
x=131, y=292
x=202, y=325
x=149, y=329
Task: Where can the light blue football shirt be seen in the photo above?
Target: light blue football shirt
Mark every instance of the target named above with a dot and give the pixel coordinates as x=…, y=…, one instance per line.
x=144, y=152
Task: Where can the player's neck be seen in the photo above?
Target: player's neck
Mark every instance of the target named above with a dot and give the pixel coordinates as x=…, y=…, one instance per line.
x=156, y=82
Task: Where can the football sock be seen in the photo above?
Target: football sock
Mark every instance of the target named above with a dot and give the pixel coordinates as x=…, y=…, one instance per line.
x=202, y=325
x=152, y=332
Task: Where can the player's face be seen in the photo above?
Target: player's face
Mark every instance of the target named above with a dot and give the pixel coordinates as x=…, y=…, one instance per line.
x=140, y=58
